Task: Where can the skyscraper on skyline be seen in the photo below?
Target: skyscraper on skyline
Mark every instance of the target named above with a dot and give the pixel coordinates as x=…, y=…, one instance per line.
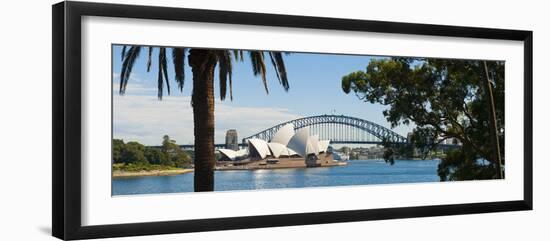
x=231, y=140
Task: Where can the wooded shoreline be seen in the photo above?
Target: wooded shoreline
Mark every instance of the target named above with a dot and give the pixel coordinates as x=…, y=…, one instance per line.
x=123, y=174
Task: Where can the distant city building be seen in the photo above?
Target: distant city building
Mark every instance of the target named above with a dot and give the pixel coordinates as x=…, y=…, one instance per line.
x=367, y=153
x=231, y=140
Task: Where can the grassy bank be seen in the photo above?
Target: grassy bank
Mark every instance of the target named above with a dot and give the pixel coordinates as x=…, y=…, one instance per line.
x=138, y=170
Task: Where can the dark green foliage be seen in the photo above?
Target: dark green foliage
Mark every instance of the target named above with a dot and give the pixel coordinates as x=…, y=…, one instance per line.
x=178, y=58
x=225, y=67
x=128, y=63
x=149, y=55
x=137, y=156
x=391, y=150
x=181, y=159
x=444, y=98
x=279, y=65
x=462, y=164
x=133, y=153
x=258, y=66
x=136, y=167
x=118, y=148
x=175, y=155
x=163, y=73
x=123, y=52
x=155, y=156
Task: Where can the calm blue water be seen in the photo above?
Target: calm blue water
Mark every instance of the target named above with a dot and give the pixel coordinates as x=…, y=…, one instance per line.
x=355, y=173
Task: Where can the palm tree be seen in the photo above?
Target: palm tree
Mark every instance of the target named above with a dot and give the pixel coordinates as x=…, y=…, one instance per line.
x=203, y=63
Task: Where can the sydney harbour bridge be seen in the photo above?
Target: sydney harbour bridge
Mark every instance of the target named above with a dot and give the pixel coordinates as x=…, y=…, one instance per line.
x=339, y=129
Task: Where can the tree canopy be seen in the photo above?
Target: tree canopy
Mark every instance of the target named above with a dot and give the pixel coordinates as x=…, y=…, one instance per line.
x=169, y=155
x=443, y=99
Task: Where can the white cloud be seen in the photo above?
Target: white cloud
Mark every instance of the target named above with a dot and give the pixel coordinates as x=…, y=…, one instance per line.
x=135, y=88
x=146, y=119
x=133, y=77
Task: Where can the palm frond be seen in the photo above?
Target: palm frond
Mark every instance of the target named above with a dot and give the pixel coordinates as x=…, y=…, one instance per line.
x=225, y=67
x=149, y=59
x=230, y=78
x=162, y=73
x=274, y=66
x=160, y=83
x=258, y=66
x=165, y=70
x=127, y=65
x=281, y=69
x=178, y=58
x=238, y=55
x=123, y=52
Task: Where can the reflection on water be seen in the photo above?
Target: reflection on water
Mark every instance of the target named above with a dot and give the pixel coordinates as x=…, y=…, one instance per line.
x=355, y=173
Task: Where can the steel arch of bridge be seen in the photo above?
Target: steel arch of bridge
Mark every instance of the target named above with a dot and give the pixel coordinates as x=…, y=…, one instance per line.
x=374, y=129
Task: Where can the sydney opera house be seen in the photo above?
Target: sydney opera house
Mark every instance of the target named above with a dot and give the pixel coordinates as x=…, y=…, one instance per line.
x=286, y=149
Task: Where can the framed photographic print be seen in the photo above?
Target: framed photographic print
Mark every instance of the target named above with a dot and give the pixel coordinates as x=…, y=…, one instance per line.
x=169, y=120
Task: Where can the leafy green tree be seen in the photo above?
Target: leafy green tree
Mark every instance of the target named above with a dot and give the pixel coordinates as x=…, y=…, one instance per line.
x=118, y=148
x=169, y=146
x=203, y=63
x=181, y=159
x=445, y=99
x=155, y=156
x=134, y=153
x=392, y=150
x=175, y=155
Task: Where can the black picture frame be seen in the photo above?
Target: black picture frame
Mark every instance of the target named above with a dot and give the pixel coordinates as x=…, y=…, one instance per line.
x=66, y=184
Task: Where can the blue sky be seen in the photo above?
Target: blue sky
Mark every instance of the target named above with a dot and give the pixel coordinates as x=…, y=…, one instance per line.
x=315, y=88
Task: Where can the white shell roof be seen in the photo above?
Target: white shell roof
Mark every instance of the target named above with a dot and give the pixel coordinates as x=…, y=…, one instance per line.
x=299, y=142
x=242, y=152
x=232, y=155
x=284, y=143
x=323, y=145
x=283, y=135
x=260, y=146
x=278, y=149
x=291, y=152
x=314, y=141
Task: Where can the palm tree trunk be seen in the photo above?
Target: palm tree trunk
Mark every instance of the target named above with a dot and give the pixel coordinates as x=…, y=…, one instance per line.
x=493, y=123
x=202, y=63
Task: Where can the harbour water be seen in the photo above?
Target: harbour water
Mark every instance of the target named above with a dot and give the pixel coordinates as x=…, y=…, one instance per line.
x=357, y=172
